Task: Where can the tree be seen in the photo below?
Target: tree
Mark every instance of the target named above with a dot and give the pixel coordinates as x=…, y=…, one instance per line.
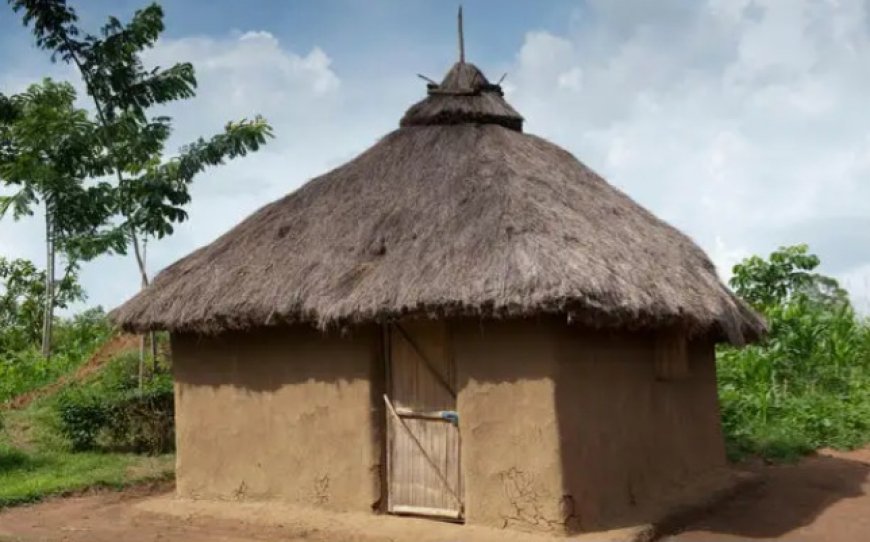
x=47, y=152
x=151, y=192
x=787, y=275
x=23, y=302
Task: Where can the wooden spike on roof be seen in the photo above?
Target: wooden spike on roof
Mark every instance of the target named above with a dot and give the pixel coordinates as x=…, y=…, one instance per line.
x=461, y=39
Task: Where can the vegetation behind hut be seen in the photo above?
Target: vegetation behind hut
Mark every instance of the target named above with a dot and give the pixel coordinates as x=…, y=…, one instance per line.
x=807, y=385
x=73, y=432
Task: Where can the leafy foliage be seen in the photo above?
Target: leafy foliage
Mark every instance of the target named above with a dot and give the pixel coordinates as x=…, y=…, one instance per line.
x=151, y=191
x=144, y=421
x=112, y=413
x=786, y=276
x=22, y=302
x=75, y=340
x=49, y=149
x=82, y=417
x=808, y=384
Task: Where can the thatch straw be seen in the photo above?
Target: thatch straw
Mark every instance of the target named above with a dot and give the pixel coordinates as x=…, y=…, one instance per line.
x=463, y=96
x=466, y=217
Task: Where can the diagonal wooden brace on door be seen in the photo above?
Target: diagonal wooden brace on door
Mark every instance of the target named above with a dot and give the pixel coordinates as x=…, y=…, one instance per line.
x=428, y=364
x=401, y=423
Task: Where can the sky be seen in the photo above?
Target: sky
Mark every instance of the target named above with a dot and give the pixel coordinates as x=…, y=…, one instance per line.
x=745, y=123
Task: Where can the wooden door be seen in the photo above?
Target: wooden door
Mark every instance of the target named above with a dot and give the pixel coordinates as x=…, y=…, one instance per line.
x=422, y=424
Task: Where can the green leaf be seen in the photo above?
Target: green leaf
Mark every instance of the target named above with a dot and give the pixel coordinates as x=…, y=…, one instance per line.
x=150, y=192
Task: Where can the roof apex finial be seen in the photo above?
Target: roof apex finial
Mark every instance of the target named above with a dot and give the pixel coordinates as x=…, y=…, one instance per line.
x=461, y=38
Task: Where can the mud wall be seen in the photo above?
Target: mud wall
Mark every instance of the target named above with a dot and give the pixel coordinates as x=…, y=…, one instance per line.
x=628, y=438
x=566, y=429
x=279, y=414
x=510, y=436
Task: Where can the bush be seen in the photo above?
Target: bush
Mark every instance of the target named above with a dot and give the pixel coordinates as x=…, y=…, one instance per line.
x=82, y=417
x=113, y=414
x=143, y=422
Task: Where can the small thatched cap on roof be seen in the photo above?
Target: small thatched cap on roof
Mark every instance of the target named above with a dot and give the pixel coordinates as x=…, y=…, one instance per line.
x=463, y=96
x=456, y=213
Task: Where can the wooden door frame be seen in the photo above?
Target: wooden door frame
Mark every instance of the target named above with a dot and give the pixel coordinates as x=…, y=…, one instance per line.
x=383, y=504
x=386, y=474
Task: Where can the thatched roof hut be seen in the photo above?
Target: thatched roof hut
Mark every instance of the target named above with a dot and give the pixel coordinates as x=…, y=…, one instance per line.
x=459, y=277
x=458, y=212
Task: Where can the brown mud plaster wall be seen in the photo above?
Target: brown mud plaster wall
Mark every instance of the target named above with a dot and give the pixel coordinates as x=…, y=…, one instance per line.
x=284, y=413
x=627, y=438
x=510, y=437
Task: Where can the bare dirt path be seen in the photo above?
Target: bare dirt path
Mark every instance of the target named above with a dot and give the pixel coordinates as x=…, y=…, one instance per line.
x=822, y=498
x=111, y=517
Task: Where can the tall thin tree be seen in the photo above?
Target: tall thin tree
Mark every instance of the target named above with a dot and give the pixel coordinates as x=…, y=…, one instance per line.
x=151, y=191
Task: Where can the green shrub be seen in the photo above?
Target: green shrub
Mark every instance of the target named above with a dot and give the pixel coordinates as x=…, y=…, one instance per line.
x=143, y=422
x=807, y=386
x=113, y=414
x=83, y=417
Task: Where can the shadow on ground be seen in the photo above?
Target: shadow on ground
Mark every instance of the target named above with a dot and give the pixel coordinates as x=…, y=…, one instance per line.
x=789, y=498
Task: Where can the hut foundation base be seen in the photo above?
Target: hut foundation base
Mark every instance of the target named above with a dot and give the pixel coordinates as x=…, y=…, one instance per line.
x=669, y=514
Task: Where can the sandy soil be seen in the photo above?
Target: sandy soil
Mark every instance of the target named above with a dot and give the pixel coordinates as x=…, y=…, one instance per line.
x=823, y=498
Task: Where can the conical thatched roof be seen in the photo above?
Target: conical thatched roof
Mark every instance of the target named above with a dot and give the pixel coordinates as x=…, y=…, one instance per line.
x=455, y=213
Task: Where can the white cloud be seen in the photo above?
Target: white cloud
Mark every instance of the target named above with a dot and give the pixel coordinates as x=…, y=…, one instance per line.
x=743, y=123
x=571, y=79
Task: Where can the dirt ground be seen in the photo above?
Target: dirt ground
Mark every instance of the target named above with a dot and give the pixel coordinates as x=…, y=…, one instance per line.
x=822, y=498
x=825, y=497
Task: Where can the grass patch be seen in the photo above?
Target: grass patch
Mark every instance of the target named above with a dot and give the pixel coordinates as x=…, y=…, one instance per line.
x=27, y=478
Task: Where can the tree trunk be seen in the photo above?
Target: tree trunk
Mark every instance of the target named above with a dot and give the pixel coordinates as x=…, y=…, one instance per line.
x=152, y=337
x=141, y=361
x=48, y=310
x=143, y=274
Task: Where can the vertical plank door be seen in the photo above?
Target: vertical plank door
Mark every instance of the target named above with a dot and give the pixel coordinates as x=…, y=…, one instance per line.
x=422, y=431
